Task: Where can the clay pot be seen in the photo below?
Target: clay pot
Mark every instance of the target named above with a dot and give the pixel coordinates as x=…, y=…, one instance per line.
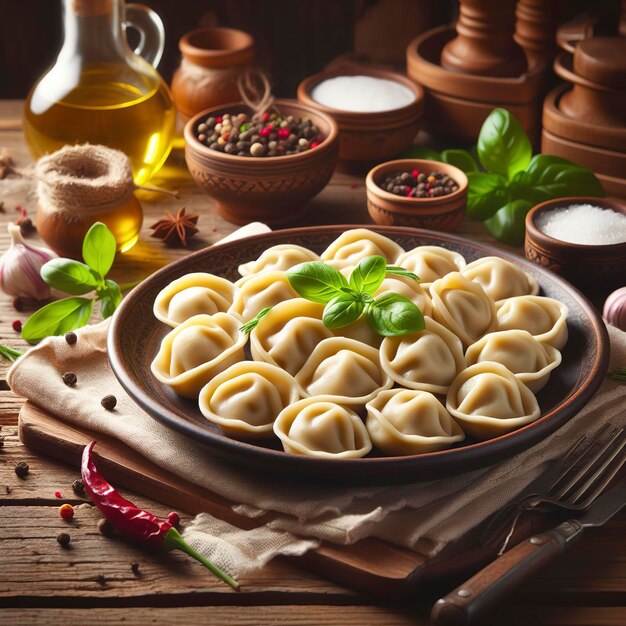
x=580, y=264
x=445, y=213
x=274, y=190
x=369, y=137
x=598, y=75
x=213, y=60
x=66, y=237
x=484, y=44
x=457, y=104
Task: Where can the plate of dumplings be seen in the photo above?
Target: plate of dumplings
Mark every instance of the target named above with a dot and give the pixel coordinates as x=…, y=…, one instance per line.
x=508, y=353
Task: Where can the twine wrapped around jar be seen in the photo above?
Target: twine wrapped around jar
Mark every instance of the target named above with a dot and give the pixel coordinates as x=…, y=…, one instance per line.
x=80, y=181
x=80, y=185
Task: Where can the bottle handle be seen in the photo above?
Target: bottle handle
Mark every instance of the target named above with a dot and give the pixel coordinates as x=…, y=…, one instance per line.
x=151, y=32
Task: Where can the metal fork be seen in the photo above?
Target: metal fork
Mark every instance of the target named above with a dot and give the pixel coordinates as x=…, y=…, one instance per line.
x=572, y=483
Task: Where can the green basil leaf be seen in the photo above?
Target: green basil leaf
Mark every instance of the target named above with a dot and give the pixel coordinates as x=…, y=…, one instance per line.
x=392, y=314
x=70, y=276
x=509, y=223
x=316, y=281
x=57, y=318
x=368, y=274
x=486, y=194
x=110, y=298
x=503, y=146
x=250, y=325
x=341, y=311
x=549, y=177
x=420, y=152
x=461, y=159
x=400, y=271
x=99, y=248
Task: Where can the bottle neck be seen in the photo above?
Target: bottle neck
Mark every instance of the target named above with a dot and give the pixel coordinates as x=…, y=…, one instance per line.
x=93, y=30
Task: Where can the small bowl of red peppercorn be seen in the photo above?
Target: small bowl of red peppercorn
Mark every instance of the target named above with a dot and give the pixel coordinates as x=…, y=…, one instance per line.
x=417, y=193
x=262, y=167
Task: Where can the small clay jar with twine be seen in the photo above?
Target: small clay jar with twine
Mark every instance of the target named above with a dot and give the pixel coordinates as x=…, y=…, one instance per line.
x=213, y=60
x=80, y=185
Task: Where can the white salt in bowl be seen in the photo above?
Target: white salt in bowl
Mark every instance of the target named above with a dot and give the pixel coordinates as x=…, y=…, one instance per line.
x=593, y=267
x=368, y=136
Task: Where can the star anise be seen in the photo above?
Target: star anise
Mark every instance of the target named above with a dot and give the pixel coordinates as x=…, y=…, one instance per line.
x=176, y=229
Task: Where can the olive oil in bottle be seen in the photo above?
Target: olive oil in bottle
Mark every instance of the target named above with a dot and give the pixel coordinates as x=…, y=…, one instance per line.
x=100, y=92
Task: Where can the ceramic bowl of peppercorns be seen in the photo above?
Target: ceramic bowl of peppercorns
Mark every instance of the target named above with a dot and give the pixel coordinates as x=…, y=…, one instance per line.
x=262, y=166
x=418, y=193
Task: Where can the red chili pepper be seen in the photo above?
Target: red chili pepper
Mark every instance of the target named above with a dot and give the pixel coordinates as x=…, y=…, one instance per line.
x=134, y=522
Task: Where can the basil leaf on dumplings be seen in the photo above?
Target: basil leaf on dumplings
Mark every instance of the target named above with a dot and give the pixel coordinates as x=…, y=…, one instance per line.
x=341, y=311
x=368, y=274
x=400, y=271
x=316, y=281
x=392, y=314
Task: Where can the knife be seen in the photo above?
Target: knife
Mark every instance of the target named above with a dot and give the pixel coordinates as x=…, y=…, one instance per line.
x=486, y=588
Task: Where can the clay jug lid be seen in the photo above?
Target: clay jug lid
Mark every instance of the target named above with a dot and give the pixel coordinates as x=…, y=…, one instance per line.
x=602, y=60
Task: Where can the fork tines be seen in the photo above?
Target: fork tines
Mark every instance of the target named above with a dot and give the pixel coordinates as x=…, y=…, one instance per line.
x=590, y=466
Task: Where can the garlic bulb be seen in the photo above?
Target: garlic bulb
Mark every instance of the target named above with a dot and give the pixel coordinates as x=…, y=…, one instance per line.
x=614, y=311
x=20, y=266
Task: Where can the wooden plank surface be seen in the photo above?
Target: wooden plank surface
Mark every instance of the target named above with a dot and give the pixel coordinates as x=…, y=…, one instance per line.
x=41, y=583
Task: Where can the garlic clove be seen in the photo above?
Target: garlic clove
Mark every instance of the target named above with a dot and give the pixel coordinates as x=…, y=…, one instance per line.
x=614, y=311
x=20, y=268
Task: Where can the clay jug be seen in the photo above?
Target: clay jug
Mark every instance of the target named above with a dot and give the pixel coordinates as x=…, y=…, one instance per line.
x=213, y=60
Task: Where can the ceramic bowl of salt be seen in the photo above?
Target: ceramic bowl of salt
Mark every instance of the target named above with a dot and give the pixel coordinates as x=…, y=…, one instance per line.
x=581, y=238
x=378, y=112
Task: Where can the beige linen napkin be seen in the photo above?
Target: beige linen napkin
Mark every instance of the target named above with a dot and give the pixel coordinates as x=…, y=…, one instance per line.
x=422, y=516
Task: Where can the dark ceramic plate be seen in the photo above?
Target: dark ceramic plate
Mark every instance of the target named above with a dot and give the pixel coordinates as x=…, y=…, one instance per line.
x=135, y=335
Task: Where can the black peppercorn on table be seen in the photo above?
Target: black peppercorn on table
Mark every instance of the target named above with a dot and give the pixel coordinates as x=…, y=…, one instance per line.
x=97, y=579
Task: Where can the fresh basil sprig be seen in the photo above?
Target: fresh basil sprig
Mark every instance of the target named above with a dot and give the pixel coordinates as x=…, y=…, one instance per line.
x=389, y=314
x=10, y=354
x=512, y=180
x=250, y=325
x=77, y=279
x=619, y=373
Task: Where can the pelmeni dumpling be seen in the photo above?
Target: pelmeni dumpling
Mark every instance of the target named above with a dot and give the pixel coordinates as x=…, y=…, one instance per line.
x=343, y=370
x=360, y=331
x=197, y=350
x=406, y=421
x=463, y=307
x=544, y=318
x=431, y=262
x=287, y=335
x=500, y=278
x=245, y=399
x=278, y=258
x=428, y=360
x=358, y=243
x=320, y=428
x=530, y=360
x=488, y=400
x=193, y=294
x=255, y=293
x=407, y=287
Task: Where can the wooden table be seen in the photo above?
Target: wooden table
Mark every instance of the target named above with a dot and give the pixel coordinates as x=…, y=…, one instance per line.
x=93, y=581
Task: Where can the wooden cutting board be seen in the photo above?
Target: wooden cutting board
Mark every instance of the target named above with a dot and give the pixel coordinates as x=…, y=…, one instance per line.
x=369, y=565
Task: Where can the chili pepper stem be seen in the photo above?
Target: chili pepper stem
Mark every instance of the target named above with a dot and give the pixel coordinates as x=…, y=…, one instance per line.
x=174, y=541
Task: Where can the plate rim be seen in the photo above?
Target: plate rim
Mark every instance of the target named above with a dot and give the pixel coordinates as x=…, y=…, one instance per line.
x=477, y=454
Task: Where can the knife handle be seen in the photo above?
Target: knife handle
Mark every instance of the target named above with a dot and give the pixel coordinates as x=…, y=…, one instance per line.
x=486, y=588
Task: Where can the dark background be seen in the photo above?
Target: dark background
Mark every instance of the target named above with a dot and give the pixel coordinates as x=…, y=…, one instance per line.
x=294, y=38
